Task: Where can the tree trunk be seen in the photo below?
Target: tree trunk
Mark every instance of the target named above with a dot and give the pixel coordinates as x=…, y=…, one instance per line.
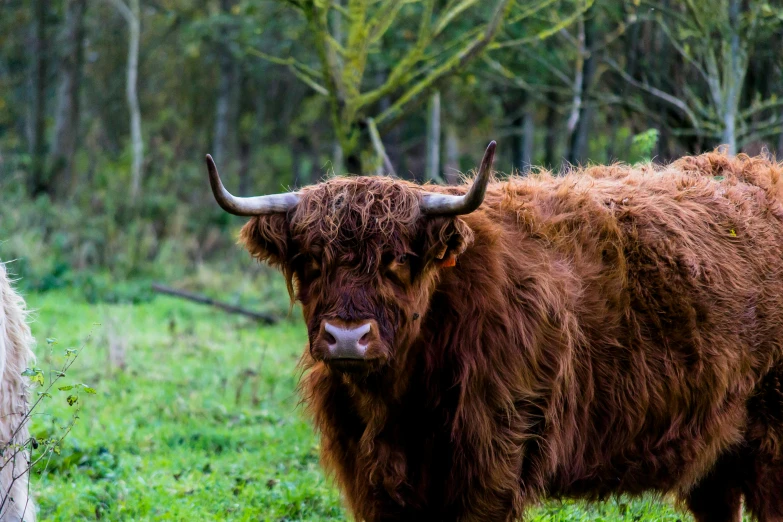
x=451, y=170
x=244, y=166
x=229, y=72
x=577, y=88
x=250, y=118
x=516, y=143
x=524, y=130
x=353, y=162
x=393, y=136
x=663, y=145
x=39, y=181
x=384, y=167
x=355, y=139
x=433, y=138
x=550, y=142
x=613, y=123
x=338, y=161
x=528, y=138
x=134, y=27
x=338, y=158
x=632, y=49
x=737, y=68
x=577, y=150
x=66, y=126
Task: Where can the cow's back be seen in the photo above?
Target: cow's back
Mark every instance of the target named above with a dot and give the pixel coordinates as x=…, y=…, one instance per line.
x=672, y=285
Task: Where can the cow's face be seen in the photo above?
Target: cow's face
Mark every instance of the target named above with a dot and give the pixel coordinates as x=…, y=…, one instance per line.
x=363, y=261
x=362, y=255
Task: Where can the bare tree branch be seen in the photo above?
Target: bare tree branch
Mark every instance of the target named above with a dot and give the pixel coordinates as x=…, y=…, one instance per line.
x=401, y=72
x=383, y=19
x=579, y=76
x=761, y=106
x=123, y=9
x=300, y=70
x=377, y=144
x=676, y=44
x=455, y=63
x=546, y=33
x=451, y=14
x=673, y=100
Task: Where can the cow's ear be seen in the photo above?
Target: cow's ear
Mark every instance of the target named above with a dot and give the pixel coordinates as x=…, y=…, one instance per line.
x=267, y=238
x=445, y=239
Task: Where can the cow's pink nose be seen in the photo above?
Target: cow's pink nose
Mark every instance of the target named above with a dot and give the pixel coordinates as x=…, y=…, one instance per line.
x=348, y=340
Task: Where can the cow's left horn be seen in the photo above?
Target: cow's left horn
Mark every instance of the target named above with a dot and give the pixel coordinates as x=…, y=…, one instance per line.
x=434, y=204
x=254, y=206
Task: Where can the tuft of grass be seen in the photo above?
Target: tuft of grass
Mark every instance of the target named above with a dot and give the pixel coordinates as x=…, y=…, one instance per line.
x=201, y=423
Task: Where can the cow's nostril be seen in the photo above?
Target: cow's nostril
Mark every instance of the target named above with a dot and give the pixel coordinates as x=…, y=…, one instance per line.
x=329, y=338
x=365, y=339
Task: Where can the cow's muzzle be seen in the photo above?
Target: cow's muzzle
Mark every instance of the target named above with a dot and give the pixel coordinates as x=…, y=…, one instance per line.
x=348, y=343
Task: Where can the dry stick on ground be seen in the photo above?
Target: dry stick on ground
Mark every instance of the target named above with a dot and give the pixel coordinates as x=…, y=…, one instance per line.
x=258, y=316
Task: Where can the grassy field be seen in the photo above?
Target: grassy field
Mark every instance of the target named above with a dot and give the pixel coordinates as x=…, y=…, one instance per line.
x=202, y=423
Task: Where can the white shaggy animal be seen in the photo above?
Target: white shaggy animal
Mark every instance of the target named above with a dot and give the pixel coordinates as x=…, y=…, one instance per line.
x=15, y=354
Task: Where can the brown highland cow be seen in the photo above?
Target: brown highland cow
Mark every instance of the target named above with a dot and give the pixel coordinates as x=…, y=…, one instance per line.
x=473, y=349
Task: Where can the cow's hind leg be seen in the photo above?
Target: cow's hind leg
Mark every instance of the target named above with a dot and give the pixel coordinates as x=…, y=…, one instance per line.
x=764, y=492
x=718, y=496
x=763, y=485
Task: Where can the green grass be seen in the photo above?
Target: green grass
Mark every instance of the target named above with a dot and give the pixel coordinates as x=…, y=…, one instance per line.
x=202, y=424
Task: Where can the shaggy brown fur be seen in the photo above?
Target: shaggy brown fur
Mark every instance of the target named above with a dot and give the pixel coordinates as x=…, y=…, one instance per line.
x=616, y=330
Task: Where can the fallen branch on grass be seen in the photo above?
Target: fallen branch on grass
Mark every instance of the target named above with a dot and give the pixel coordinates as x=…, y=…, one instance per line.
x=258, y=316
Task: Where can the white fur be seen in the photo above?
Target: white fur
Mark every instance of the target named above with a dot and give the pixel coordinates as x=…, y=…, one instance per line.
x=15, y=355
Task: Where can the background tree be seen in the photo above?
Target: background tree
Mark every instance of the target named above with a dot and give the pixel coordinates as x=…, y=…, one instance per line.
x=228, y=84
x=132, y=15
x=39, y=182
x=292, y=91
x=714, y=42
x=441, y=47
x=66, y=126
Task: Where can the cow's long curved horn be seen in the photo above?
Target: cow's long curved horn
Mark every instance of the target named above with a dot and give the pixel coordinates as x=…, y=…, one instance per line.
x=434, y=204
x=254, y=206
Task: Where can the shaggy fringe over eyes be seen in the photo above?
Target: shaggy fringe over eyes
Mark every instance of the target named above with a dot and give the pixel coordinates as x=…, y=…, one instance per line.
x=360, y=212
x=362, y=207
x=343, y=220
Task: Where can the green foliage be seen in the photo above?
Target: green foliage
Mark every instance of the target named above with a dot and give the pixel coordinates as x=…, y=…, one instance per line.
x=112, y=251
x=643, y=145
x=42, y=447
x=185, y=432
x=36, y=375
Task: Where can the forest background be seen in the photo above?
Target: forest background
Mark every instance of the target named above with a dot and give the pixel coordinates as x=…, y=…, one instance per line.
x=107, y=108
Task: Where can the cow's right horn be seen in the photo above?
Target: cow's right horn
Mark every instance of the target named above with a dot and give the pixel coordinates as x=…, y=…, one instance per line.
x=434, y=204
x=254, y=206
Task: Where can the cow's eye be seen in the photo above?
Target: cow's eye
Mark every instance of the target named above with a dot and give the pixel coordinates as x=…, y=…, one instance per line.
x=312, y=267
x=398, y=269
